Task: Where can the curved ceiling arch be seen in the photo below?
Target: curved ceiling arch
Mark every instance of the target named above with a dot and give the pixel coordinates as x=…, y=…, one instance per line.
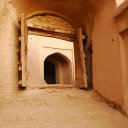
x=80, y=13
x=51, y=13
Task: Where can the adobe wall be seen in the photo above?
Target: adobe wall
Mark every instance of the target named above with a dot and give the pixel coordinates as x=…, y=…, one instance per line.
x=124, y=44
x=8, y=50
x=121, y=15
x=107, y=75
x=39, y=48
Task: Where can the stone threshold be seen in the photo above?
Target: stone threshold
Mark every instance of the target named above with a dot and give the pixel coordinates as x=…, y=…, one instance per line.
x=50, y=86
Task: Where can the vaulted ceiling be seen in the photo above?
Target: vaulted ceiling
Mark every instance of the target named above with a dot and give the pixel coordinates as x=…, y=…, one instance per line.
x=80, y=13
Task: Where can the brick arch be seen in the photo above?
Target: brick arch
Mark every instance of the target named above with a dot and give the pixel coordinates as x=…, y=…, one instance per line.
x=51, y=24
x=44, y=13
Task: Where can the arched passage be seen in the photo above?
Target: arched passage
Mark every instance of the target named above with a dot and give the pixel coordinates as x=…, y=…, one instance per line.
x=57, y=69
x=61, y=29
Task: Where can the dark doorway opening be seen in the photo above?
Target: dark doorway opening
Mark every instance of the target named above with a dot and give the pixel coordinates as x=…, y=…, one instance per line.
x=57, y=69
x=49, y=72
x=89, y=67
x=88, y=62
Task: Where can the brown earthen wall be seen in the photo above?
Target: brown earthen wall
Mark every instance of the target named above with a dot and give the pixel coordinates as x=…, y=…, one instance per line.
x=107, y=77
x=124, y=50
x=8, y=50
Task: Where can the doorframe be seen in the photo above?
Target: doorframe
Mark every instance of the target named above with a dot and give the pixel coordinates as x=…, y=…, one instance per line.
x=79, y=55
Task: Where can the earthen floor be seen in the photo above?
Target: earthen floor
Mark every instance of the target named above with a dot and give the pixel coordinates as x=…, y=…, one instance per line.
x=59, y=108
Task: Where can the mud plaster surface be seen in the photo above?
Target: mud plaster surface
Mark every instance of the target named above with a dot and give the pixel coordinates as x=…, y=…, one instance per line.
x=55, y=108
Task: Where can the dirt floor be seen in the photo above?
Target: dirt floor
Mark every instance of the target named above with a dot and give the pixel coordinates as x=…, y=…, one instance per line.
x=59, y=108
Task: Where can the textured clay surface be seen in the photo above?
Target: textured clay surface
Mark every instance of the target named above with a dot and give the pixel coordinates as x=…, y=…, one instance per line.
x=55, y=108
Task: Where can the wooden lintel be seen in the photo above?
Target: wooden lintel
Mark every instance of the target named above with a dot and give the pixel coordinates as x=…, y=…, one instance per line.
x=51, y=29
x=51, y=34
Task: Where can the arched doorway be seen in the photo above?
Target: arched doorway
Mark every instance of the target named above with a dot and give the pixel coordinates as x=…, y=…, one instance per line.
x=57, y=69
x=58, y=28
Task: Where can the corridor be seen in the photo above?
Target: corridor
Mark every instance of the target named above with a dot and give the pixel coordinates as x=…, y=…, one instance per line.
x=52, y=52
x=59, y=108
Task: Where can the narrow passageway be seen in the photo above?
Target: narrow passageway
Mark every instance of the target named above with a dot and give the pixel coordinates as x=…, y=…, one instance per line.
x=53, y=61
x=59, y=108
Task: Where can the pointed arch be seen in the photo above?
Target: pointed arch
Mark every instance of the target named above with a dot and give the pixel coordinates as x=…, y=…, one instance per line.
x=62, y=69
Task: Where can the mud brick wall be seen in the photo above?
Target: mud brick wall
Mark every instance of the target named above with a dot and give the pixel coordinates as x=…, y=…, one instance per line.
x=8, y=50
